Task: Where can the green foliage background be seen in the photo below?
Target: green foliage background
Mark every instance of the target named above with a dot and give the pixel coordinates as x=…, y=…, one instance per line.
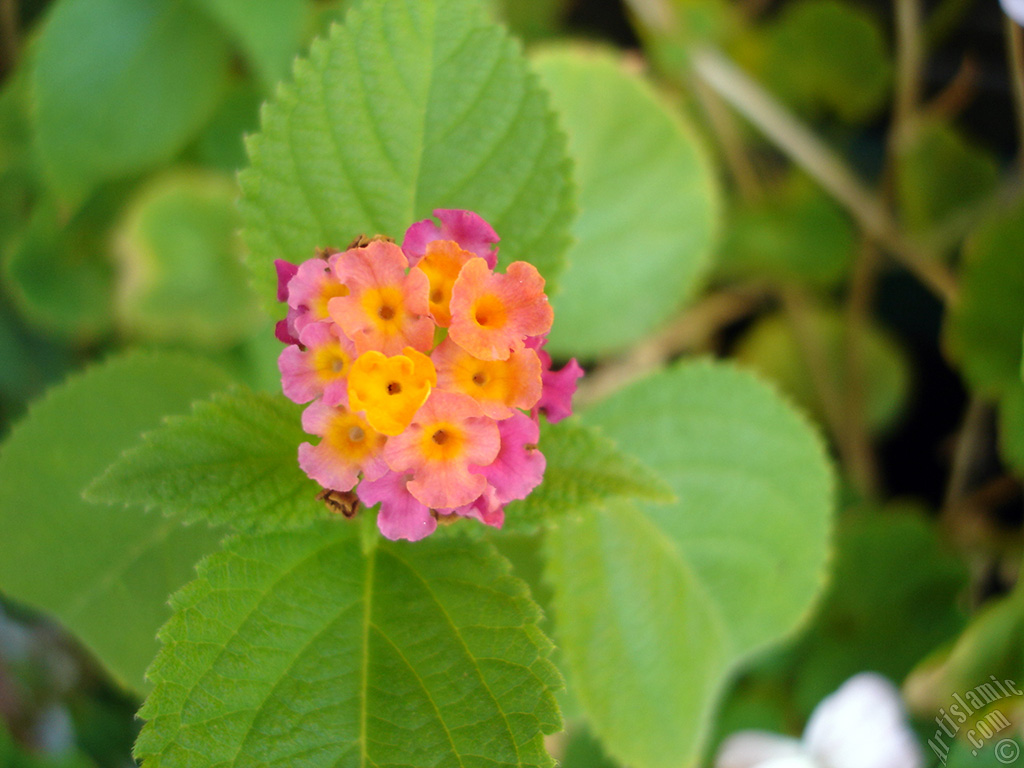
x=726, y=208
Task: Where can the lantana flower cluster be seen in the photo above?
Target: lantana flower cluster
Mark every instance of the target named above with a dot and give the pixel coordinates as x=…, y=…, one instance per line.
x=425, y=373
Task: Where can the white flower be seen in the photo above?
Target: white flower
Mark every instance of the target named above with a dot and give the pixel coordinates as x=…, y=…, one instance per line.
x=1014, y=9
x=862, y=725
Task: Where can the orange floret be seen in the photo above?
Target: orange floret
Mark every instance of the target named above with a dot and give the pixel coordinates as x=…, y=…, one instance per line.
x=499, y=386
x=492, y=314
x=442, y=263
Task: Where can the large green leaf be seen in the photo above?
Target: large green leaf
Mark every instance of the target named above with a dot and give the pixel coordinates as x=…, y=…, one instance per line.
x=232, y=460
x=1011, y=428
x=827, y=53
x=940, y=173
x=407, y=107
x=648, y=201
x=984, y=328
x=121, y=85
x=105, y=573
x=794, y=233
x=583, y=468
x=182, y=278
x=269, y=33
x=654, y=604
x=299, y=648
x=58, y=271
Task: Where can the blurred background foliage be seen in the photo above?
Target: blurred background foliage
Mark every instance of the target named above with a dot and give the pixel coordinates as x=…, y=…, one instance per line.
x=867, y=258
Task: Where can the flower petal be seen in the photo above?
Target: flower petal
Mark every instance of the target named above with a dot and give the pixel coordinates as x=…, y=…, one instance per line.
x=385, y=309
x=754, y=749
x=401, y=516
x=310, y=291
x=492, y=314
x=519, y=466
x=466, y=228
x=862, y=725
x=500, y=386
x=447, y=435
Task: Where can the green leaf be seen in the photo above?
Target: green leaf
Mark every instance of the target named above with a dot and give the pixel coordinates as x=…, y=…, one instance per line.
x=13, y=756
x=583, y=468
x=894, y=597
x=993, y=754
x=269, y=33
x=584, y=751
x=181, y=272
x=18, y=182
x=232, y=461
x=297, y=648
x=990, y=645
x=648, y=203
x=656, y=604
x=772, y=347
x=58, y=270
x=796, y=233
x=105, y=573
x=1011, y=428
x=983, y=331
x=221, y=145
x=941, y=174
x=136, y=79
x=532, y=19
x=828, y=54
x=407, y=107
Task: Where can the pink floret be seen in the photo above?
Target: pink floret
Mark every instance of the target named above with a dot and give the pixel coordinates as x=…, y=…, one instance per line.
x=301, y=381
x=519, y=466
x=285, y=272
x=309, y=290
x=466, y=228
x=557, y=387
x=486, y=509
x=284, y=330
x=440, y=480
x=401, y=516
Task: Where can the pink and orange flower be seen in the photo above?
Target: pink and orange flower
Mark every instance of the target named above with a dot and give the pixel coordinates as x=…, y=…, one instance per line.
x=425, y=372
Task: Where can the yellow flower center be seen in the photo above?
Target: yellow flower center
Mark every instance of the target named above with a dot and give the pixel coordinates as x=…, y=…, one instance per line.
x=331, y=363
x=442, y=442
x=441, y=265
x=350, y=436
x=331, y=289
x=384, y=306
x=489, y=312
x=390, y=389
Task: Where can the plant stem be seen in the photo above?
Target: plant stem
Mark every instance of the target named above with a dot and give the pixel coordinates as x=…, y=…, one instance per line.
x=863, y=465
x=909, y=65
x=1015, y=53
x=970, y=443
x=808, y=151
x=9, y=39
x=735, y=153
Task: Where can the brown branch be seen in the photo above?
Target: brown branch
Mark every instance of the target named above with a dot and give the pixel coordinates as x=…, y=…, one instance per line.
x=10, y=40
x=1015, y=53
x=960, y=91
x=810, y=153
